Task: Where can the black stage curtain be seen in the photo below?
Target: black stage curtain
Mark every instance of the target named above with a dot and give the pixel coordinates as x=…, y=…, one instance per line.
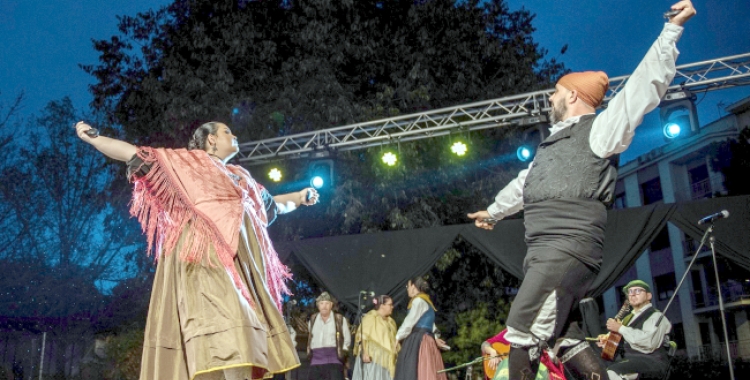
x=504, y=245
x=379, y=262
x=383, y=262
x=629, y=232
x=732, y=239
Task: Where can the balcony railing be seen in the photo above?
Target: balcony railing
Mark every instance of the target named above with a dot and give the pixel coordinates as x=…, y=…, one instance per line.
x=737, y=349
x=730, y=292
x=701, y=189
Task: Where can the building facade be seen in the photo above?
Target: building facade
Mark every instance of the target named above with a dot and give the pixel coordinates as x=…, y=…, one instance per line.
x=682, y=170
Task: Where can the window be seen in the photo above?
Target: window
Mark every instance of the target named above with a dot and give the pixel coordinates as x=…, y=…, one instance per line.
x=705, y=331
x=665, y=285
x=695, y=276
x=731, y=329
x=678, y=335
x=700, y=184
x=651, y=191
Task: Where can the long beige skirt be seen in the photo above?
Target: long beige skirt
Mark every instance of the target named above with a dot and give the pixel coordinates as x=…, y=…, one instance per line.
x=200, y=327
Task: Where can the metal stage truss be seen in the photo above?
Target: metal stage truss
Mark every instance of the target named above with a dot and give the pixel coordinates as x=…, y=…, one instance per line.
x=519, y=109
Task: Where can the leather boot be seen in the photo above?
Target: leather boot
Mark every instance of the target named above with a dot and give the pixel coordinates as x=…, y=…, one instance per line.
x=585, y=364
x=520, y=365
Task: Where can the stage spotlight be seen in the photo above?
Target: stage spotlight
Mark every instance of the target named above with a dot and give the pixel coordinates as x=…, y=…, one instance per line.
x=672, y=130
x=459, y=148
x=524, y=153
x=320, y=173
x=389, y=158
x=678, y=115
x=317, y=182
x=275, y=175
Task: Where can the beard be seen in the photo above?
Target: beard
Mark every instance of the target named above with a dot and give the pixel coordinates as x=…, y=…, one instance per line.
x=557, y=113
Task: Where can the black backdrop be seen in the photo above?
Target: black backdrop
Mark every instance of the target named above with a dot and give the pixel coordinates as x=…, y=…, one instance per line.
x=383, y=262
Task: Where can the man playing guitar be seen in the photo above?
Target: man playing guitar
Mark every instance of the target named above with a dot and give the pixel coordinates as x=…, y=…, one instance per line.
x=645, y=346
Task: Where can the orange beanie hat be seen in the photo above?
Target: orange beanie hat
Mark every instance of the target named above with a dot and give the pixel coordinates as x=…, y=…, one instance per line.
x=590, y=85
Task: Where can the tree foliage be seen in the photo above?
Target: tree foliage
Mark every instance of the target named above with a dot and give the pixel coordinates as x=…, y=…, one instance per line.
x=732, y=159
x=9, y=125
x=8, y=118
x=283, y=67
x=67, y=229
x=474, y=327
x=472, y=296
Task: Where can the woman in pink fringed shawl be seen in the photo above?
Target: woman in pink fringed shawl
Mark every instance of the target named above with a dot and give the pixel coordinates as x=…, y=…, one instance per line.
x=214, y=310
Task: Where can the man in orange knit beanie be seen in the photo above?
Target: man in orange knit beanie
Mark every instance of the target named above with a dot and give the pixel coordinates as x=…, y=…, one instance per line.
x=565, y=193
x=591, y=87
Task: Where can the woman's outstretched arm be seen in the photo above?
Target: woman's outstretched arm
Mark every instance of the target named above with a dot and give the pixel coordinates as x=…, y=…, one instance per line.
x=112, y=148
x=290, y=201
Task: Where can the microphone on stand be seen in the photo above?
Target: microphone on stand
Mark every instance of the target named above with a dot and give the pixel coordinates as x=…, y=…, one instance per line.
x=723, y=214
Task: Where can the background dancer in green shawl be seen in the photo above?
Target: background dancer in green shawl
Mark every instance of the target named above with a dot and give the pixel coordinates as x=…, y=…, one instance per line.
x=214, y=309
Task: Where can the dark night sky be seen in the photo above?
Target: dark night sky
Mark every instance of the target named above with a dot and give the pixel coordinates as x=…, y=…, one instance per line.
x=42, y=43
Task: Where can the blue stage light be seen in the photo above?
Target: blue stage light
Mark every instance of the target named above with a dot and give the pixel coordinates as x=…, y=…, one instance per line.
x=317, y=182
x=672, y=130
x=524, y=153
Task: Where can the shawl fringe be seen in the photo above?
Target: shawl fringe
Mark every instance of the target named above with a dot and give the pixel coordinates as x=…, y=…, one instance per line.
x=382, y=357
x=276, y=272
x=163, y=209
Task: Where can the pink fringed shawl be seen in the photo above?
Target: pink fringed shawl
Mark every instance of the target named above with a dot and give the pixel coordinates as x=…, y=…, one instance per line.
x=188, y=187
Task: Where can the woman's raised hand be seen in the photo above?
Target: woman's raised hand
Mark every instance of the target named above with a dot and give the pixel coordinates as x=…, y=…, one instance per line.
x=310, y=196
x=81, y=128
x=112, y=148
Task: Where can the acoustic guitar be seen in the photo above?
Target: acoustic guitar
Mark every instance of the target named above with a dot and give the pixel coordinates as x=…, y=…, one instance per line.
x=502, y=351
x=609, y=350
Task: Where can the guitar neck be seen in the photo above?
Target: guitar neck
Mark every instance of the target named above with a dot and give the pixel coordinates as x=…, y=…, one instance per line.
x=623, y=311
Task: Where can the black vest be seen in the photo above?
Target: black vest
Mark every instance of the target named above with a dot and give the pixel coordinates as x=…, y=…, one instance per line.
x=566, y=167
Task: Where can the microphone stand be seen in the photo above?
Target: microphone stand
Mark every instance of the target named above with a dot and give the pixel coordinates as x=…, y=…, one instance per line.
x=707, y=235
